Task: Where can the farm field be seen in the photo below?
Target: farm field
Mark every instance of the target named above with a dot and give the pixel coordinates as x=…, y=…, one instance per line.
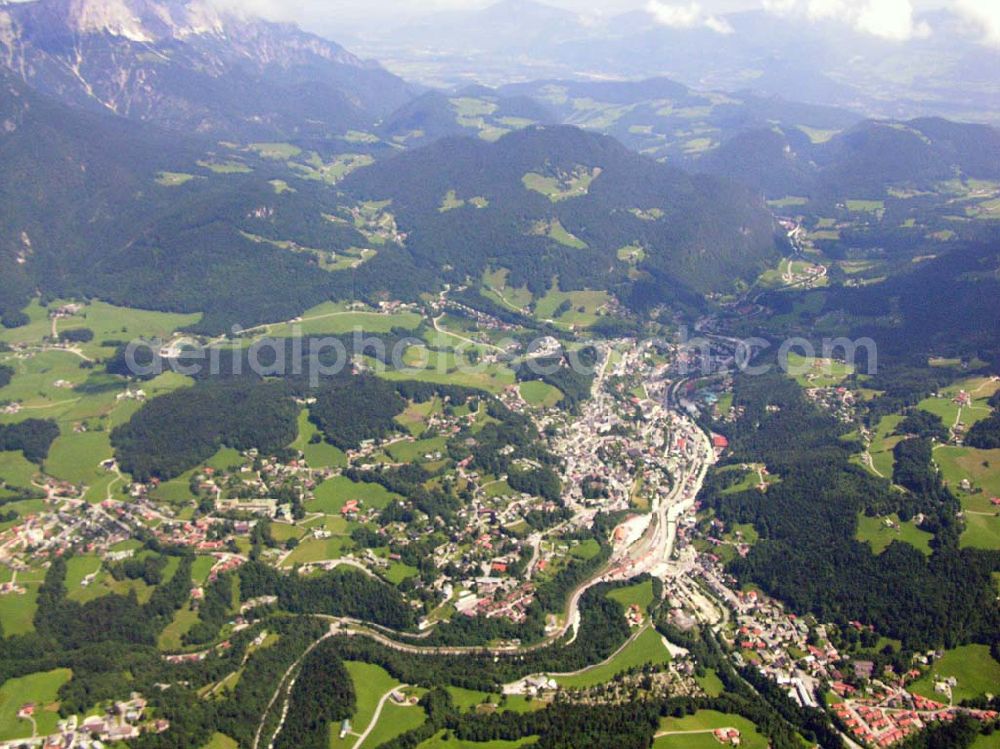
x=641, y=595
x=987, y=742
x=883, y=443
x=979, y=388
x=370, y=684
x=107, y=321
x=584, y=307
x=17, y=612
x=334, y=493
x=439, y=741
x=538, y=393
x=695, y=731
x=394, y=721
x=221, y=741
x=332, y=318
x=493, y=379
x=981, y=532
x=564, y=187
x=972, y=665
x=41, y=689
x=648, y=647
x=317, y=454
x=980, y=467
x=876, y=533
x=170, y=637
x=711, y=683
x=816, y=372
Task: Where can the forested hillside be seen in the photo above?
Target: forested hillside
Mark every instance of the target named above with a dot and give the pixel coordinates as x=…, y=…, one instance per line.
x=557, y=201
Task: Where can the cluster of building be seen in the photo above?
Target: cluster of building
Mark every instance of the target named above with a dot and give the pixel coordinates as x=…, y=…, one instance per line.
x=885, y=725
x=121, y=722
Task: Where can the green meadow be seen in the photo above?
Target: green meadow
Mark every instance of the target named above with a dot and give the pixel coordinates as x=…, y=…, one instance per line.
x=648, y=647
x=333, y=494
x=972, y=665
x=695, y=731
x=878, y=535
x=370, y=684
x=42, y=689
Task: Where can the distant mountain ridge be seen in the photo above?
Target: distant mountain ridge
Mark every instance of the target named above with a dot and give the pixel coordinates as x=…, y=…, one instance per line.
x=862, y=161
x=191, y=67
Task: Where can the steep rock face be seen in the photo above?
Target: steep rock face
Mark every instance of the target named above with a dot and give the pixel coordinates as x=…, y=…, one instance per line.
x=189, y=66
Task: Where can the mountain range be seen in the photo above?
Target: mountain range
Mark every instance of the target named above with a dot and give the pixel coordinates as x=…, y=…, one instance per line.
x=164, y=155
x=190, y=67
x=947, y=72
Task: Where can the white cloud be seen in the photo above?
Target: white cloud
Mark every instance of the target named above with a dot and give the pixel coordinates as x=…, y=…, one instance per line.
x=891, y=19
x=888, y=19
x=780, y=7
x=688, y=16
x=824, y=10
x=985, y=14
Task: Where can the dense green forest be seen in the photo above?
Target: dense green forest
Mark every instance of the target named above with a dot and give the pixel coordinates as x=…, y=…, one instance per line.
x=985, y=434
x=343, y=592
x=721, y=225
x=180, y=430
x=808, y=556
x=352, y=410
x=33, y=437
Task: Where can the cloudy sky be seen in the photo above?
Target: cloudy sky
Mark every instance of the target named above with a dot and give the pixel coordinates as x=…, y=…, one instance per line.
x=890, y=19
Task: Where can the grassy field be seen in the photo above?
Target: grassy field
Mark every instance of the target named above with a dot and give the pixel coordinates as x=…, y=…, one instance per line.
x=538, y=393
x=225, y=167
x=410, y=452
x=981, y=532
x=170, y=638
x=875, y=532
x=370, y=684
x=883, y=443
x=201, y=568
x=865, y=206
x=974, y=668
x=556, y=189
x=333, y=494
x=817, y=373
x=394, y=721
x=711, y=683
x=584, y=306
x=640, y=595
x=492, y=379
x=320, y=454
x=706, y=721
x=173, y=179
x=438, y=741
x=77, y=569
x=276, y=151
x=41, y=689
x=987, y=742
x=332, y=318
x=980, y=388
x=647, y=648
x=17, y=612
x=495, y=284
x=319, y=550
x=631, y=254
x=16, y=470
x=817, y=135
x=414, y=419
x=221, y=741
x=980, y=467
x=106, y=320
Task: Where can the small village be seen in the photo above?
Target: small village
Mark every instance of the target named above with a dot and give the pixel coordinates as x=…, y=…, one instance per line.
x=121, y=721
